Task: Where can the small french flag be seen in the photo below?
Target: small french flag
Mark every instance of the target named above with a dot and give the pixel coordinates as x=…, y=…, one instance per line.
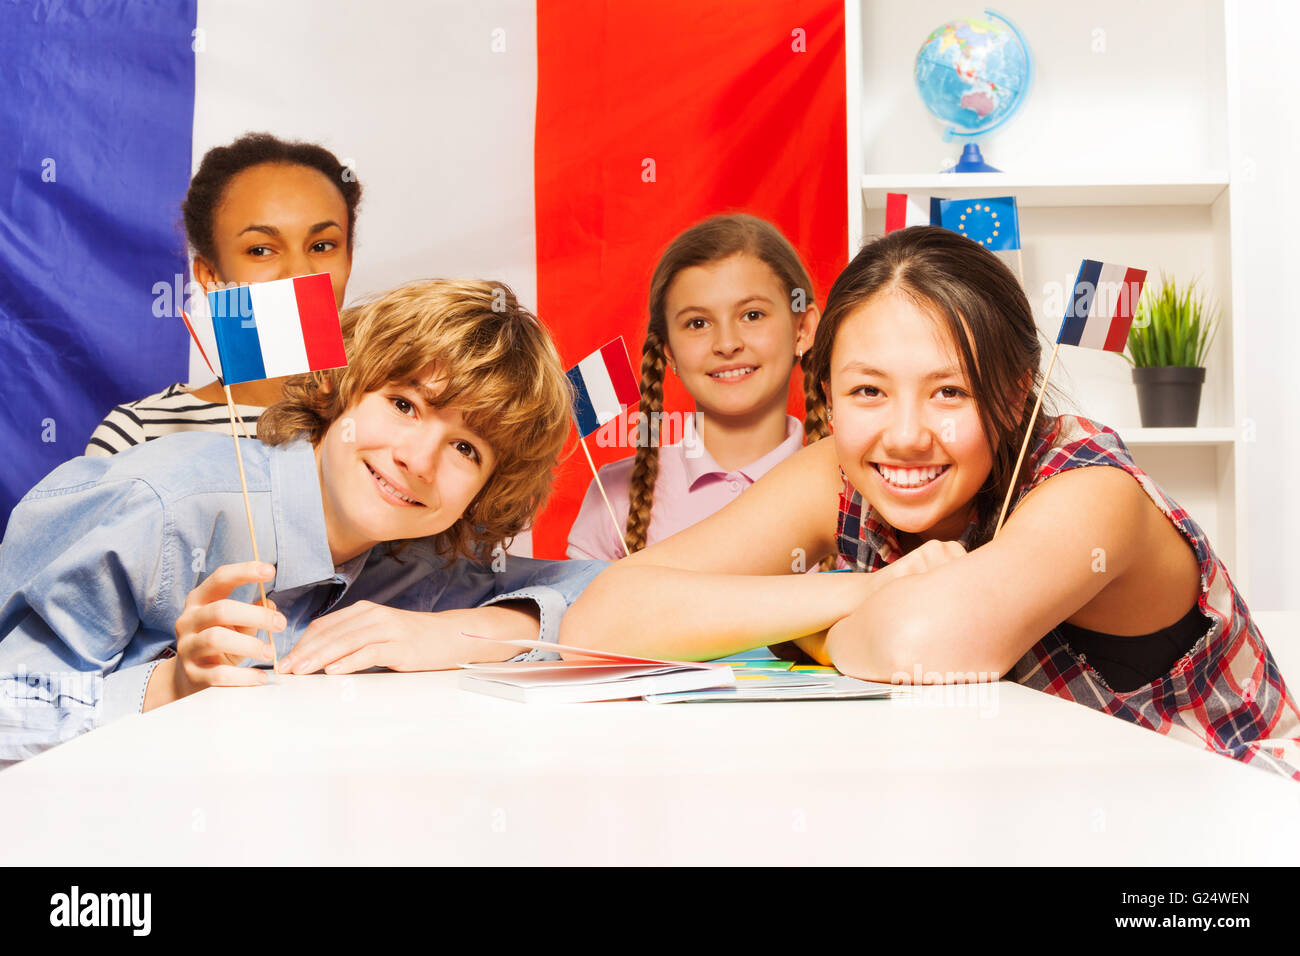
x=270, y=329
x=603, y=385
x=903, y=210
x=1101, y=308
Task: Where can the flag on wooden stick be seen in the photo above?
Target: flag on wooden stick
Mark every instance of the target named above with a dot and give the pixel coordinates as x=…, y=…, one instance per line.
x=1098, y=316
x=1101, y=307
x=272, y=329
x=907, y=209
x=603, y=385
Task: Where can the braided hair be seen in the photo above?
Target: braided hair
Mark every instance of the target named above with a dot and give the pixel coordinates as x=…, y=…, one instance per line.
x=712, y=240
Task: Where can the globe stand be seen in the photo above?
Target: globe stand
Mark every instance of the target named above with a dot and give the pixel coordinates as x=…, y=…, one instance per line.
x=972, y=161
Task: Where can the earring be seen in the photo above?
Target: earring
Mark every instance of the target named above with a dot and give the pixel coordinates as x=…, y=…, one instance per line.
x=799, y=354
x=674, y=368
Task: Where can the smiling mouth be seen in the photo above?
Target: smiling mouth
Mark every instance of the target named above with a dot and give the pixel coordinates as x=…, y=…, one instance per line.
x=392, y=492
x=733, y=375
x=910, y=479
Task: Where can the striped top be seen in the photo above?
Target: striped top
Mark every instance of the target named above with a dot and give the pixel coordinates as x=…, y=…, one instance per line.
x=1225, y=694
x=172, y=410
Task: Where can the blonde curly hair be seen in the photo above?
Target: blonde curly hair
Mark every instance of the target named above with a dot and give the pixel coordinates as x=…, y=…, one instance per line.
x=500, y=370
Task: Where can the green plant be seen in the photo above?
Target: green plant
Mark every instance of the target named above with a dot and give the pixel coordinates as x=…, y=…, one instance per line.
x=1172, y=326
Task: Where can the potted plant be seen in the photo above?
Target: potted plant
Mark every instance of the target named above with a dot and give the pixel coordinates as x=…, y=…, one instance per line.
x=1167, y=344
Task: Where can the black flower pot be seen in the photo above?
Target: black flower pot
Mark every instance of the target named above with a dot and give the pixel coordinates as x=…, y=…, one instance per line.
x=1169, y=396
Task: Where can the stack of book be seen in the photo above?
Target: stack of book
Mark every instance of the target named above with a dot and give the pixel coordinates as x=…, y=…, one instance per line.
x=587, y=675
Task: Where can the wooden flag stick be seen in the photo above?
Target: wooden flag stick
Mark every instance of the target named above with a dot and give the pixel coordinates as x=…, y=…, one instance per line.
x=601, y=486
x=1029, y=431
x=248, y=512
x=239, y=459
x=1020, y=265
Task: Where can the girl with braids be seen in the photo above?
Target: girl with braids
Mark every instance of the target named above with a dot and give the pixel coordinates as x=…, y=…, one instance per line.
x=258, y=209
x=1098, y=588
x=731, y=312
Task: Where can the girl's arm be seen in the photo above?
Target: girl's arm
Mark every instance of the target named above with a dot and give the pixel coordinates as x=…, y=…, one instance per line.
x=1079, y=534
x=696, y=615
x=729, y=583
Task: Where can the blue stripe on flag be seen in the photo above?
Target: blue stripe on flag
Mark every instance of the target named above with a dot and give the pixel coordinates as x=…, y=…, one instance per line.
x=583, y=410
x=97, y=124
x=1076, y=312
x=235, y=327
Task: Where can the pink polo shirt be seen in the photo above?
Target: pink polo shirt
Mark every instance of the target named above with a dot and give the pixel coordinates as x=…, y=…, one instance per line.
x=690, y=487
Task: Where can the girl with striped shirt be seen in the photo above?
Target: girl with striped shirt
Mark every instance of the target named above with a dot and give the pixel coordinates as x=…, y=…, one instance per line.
x=257, y=210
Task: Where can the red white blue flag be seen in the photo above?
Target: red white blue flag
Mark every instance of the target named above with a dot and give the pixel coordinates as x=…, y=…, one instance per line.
x=904, y=209
x=270, y=329
x=1100, y=311
x=603, y=385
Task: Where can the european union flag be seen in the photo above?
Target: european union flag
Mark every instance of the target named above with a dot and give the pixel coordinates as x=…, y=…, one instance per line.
x=993, y=223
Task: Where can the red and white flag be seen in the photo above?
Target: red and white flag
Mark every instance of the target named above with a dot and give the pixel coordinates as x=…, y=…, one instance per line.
x=905, y=209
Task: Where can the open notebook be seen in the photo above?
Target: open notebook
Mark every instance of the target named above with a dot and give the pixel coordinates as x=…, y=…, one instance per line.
x=588, y=675
x=595, y=675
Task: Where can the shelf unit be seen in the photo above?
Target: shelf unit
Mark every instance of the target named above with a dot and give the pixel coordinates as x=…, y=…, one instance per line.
x=1120, y=153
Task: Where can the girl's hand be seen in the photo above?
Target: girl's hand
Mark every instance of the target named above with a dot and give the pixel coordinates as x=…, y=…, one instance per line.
x=214, y=633
x=930, y=555
x=366, y=634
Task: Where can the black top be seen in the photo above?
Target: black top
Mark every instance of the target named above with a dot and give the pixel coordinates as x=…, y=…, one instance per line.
x=1127, y=663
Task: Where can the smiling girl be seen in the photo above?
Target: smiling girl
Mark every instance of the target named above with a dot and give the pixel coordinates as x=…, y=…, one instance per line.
x=731, y=313
x=257, y=210
x=1098, y=588
x=378, y=491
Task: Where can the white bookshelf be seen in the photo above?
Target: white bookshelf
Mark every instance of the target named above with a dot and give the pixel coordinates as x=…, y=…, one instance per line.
x=1048, y=191
x=1120, y=154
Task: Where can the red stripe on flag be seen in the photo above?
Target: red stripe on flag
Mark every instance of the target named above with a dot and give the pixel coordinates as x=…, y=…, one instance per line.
x=895, y=212
x=651, y=117
x=319, y=315
x=1125, y=304
x=190, y=329
x=621, y=376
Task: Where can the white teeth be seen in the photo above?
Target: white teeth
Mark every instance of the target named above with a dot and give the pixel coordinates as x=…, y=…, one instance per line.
x=390, y=489
x=911, y=477
x=733, y=373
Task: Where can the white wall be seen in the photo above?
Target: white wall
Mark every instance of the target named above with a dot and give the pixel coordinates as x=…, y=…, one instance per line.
x=1264, y=142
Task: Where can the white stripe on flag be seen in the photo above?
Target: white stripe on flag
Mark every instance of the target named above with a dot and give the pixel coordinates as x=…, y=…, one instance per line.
x=279, y=329
x=600, y=388
x=1104, y=300
x=918, y=212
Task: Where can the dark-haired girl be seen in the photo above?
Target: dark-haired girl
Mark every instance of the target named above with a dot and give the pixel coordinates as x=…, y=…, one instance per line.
x=257, y=210
x=731, y=313
x=1098, y=589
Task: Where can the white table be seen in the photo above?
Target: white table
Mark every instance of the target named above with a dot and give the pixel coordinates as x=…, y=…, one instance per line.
x=407, y=769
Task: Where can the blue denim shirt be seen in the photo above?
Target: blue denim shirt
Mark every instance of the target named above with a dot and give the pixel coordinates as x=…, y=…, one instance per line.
x=99, y=558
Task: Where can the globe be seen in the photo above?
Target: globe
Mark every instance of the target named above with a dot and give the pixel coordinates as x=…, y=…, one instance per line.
x=973, y=74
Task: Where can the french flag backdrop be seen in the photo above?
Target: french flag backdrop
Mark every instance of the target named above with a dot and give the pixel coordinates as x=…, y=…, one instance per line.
x=96, y=110
x=557, y=146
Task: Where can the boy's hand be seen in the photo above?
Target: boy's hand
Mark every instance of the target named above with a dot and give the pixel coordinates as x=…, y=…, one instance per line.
x=214, y=633
x=366, y=635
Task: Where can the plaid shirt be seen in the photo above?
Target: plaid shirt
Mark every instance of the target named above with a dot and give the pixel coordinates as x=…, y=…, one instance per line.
x=1225, y=694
